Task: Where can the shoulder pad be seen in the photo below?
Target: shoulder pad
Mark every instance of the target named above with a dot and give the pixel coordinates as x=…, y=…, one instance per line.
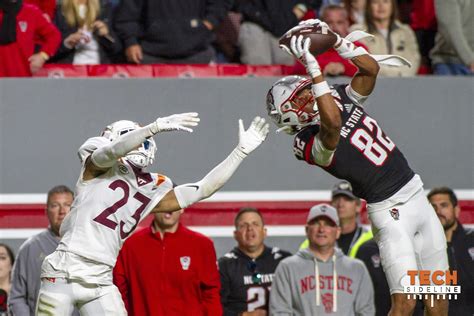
x=90, y=145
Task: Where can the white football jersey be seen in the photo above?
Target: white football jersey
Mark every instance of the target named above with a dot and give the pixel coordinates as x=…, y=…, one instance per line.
x=107, y=209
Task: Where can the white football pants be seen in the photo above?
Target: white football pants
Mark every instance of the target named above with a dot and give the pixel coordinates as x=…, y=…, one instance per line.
x=58, y=297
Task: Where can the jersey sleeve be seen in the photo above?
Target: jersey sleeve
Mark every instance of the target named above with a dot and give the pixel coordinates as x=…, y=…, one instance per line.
x=303, y=144
x=90, y=145
x=355, y=97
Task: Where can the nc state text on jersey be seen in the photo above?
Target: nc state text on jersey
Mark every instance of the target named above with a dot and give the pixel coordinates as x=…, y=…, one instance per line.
x=351, y=122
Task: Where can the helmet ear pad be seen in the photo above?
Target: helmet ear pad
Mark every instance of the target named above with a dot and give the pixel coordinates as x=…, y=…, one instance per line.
x=141, y=157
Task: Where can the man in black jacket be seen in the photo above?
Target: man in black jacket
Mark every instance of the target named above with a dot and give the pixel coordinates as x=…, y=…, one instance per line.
x=460, y=248
x=170, y=32
x=263, y=22
x=247, y=270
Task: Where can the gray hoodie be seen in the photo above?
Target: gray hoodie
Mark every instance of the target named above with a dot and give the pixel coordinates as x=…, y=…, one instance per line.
x=297, y=291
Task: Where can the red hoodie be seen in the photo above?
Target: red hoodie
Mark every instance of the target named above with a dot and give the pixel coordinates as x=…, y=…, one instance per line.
x=176, y=275
x=31, y=24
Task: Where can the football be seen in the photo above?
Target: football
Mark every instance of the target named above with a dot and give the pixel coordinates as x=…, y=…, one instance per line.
x=321, y=37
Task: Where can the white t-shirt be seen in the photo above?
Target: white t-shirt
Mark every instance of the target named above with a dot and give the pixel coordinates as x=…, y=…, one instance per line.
x=86, y=53
x=105, y=211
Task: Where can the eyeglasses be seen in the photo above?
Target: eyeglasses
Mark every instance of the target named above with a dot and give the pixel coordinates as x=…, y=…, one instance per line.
x=256, y=276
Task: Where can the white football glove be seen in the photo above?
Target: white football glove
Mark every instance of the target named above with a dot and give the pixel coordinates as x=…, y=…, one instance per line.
x=175, y=122
x=300, y=48
x=313, y=22
x=250, y=139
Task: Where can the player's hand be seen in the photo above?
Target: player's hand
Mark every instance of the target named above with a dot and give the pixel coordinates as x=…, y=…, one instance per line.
x=300, y=49
x=176, y=122
x=250, y=139
x=314, y=22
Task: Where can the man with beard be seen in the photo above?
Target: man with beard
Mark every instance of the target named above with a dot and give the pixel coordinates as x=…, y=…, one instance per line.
x=247, y=270
x=460, y=247
x=168, y=269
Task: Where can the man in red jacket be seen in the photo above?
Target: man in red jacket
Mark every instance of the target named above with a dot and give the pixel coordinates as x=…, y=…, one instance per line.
x=167, y=269
x=20, y=25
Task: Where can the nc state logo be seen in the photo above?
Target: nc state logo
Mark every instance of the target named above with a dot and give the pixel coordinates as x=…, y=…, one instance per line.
x=327, y=302
x=23, y=26
x=375, y=261
x=395, y=214
x=185, y=262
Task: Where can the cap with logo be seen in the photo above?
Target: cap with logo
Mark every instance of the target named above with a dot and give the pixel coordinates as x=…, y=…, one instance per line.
x=343, y=188
x=321, y=210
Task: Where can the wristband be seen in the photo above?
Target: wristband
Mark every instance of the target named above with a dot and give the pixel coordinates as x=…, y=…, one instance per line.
x=44, y=55
x=320, y=89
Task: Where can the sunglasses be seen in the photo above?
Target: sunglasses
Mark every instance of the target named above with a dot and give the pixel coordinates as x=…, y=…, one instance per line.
x=256, y=276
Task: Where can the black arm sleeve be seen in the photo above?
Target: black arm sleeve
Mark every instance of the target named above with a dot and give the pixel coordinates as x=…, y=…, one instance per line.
x=127, y=21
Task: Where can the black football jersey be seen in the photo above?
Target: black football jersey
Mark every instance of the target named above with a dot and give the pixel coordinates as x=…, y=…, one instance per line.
x=365, y=156
x=246, y=283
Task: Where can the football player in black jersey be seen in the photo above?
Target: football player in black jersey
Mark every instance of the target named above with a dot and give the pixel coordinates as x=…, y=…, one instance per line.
x=247, y=270
x=334, y=132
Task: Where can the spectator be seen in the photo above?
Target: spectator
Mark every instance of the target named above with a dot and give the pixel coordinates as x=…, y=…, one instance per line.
x=321, y=280
x=7, y=259
x=453, y=53
x=263, y=22
x=87, y=34
x=331, y=63
x=348, y=207
x=167, y=269
x=369, y=253
x=423, y=22
x=390, y=37
x=158, y=32
x=248, y=269
x=20, y=25
x=460, y=248
x=26, y=272
x=355, y=11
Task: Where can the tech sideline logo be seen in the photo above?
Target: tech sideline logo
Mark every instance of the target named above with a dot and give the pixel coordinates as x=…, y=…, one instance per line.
x=420, y=283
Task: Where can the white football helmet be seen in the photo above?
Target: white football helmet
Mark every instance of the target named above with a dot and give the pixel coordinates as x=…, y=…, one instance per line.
x=284, y=107
x=141, y=157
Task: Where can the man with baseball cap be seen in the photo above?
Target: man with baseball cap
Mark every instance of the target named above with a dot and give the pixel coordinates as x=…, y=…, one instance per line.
x=348, y=208
x=320, y=279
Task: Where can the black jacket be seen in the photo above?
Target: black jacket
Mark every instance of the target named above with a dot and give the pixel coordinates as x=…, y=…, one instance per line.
x=168, y=29
x=241, y=287
x=275, y=16
x=109, y=51
x=461, y=258
x=369, y=253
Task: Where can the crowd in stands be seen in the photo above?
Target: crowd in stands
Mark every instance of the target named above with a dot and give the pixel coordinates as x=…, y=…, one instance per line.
x=434, y=35
x=168, y=269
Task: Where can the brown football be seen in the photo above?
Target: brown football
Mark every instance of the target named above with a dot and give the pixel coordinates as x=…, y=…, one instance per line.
x=322, y=38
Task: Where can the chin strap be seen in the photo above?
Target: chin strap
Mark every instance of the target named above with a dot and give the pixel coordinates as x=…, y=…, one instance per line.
x=347, y=50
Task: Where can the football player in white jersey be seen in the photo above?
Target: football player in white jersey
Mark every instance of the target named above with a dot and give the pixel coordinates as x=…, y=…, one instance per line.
x=114, y=193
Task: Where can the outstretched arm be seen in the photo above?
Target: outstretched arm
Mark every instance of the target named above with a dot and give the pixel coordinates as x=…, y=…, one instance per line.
x=363, y=82
x=328, y=111
x=187, y=194
x=106, y=156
